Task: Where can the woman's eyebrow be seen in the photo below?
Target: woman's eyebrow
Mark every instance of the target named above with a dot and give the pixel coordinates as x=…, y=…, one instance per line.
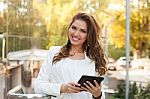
x=79, y=27
x=83, y=29
x=74, y=25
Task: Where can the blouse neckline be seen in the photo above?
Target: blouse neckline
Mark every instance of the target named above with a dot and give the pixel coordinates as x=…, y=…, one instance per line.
x=75, y=59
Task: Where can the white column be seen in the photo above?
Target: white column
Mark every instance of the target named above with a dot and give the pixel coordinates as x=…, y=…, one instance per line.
x=127, y=45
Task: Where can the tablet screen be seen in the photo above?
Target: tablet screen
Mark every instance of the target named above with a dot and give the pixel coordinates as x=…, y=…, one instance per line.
x=91, y=79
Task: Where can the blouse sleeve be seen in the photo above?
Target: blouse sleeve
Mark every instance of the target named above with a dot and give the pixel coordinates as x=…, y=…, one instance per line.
x=43, y=83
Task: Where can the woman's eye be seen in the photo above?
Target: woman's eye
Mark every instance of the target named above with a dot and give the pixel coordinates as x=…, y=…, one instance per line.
x=73, y=27
x=83, y=31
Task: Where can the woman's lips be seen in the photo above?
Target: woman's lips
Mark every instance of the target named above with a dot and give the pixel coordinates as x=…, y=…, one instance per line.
x=75, y=38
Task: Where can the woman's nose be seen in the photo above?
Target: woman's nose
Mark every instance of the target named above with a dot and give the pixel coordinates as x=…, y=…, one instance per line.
x=76, y=32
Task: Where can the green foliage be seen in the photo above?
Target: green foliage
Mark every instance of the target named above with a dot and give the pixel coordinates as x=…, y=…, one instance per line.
x=58, y=14
x=45, y=23
x=144, y=92
x=115, y=52
x=19, y=21
x=135, y=92
x=139, y=31
x=121, y=91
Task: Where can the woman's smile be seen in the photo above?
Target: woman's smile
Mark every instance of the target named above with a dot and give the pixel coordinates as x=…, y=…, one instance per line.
x=74, y=38
x=78, y=32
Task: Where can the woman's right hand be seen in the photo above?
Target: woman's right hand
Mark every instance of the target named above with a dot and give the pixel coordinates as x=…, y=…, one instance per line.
x=70, y=88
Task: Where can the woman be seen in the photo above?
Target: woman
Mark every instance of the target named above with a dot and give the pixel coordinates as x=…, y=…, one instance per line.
x=82, y=55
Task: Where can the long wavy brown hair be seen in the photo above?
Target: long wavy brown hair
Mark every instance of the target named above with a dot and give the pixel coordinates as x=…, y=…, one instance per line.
x=91, y=46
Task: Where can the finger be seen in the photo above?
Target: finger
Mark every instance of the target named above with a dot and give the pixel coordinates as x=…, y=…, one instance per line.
x=91, y=85
x=74, y=83
x=96, y=84
x=75, y=86
x=76, y=89
x=84, y=88
x=88, y=87
x=73, y=90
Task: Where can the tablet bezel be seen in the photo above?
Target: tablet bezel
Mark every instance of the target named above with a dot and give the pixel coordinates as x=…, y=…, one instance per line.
x=91, y=79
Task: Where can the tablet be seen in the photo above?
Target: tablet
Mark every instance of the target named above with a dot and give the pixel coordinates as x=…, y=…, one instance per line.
x=91, y=79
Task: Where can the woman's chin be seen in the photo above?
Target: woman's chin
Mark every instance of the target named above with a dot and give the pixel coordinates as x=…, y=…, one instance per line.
x=75, y=44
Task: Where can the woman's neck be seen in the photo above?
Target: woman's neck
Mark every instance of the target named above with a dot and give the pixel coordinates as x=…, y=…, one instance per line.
x=76, y=49
x=76, y=53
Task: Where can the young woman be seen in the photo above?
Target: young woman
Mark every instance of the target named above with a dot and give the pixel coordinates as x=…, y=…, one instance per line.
x=64, y=65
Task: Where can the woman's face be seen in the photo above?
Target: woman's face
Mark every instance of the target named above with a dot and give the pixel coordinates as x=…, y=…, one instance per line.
x=78, y=32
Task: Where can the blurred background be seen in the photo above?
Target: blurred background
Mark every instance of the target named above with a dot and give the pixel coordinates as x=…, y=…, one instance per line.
x=29, y=27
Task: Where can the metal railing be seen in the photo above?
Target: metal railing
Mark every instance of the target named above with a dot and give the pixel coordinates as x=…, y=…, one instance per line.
x=17, y=93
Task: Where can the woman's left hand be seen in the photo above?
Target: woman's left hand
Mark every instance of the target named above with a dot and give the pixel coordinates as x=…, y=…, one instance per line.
x=94, y=90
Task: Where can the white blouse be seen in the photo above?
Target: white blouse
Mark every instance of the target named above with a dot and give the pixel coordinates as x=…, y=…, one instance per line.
x=51, y=76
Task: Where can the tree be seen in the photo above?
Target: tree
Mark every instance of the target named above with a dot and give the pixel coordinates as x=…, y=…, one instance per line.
x=43, y=23
x=21, y=23
x=57, y=15
x=139, y=31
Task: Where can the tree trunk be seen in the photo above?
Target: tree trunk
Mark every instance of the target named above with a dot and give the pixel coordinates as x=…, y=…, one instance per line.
x=136, y=54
